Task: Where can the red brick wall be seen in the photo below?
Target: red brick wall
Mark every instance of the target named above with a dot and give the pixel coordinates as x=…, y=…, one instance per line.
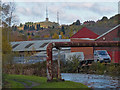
x=110, y=36
x=88, y=51
x=113, y=51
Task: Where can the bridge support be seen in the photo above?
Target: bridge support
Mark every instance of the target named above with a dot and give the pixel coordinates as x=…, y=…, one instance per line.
x=49, y=62
x=57, y=45
x=58, y=67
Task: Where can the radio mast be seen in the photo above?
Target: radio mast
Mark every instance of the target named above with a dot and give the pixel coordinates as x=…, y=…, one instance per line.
x=58, y=17
x=46, y=14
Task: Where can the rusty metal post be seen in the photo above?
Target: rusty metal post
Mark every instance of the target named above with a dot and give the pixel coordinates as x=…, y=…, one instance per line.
x=58, y=67
x=49, y=62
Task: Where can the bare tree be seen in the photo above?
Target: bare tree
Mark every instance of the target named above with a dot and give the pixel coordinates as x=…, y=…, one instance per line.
x=8, y=16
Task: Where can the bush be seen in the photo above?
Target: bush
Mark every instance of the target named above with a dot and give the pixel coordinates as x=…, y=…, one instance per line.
x=109, y=69
x=71, y=65
x=38, y=69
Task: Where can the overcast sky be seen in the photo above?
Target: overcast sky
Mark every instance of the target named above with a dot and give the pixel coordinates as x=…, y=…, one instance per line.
x=69, y=12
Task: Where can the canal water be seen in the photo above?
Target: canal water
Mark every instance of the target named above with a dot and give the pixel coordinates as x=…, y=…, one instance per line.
x=92, y=80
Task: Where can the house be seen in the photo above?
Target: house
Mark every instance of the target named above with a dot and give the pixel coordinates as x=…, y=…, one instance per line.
x=111, y=35
x=84, y=34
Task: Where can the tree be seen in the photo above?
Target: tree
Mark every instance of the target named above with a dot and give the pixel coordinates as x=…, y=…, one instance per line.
x=6, y=48
x=14, y=28
x=78, y=22
x=21, y=25
x=8, y=17
x=28, y=34
x=38, y=27
x=28, y=27
x=32, y=34
x=104, y=18
x=63, y=30
x=25, y=27
x=29, y=37
x=55, y=36
x=33, y=27
x=63, y=37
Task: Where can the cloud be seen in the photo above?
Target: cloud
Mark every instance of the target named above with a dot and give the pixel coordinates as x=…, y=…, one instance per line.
x=94, y=7
x=61, y=0
x=68, y=12
x=102, y=9
x=31, y=9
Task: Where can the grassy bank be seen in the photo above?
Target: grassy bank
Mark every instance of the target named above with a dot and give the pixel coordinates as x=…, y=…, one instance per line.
x=23, y=81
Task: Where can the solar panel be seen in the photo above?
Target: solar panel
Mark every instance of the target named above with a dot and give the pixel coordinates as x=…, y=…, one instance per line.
x=29, y=45
x=44, y=44
x=15, y=45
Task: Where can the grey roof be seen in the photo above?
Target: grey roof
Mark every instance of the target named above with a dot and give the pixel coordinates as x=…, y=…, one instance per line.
x=36, y=45
x=99, y=30
x=108, y=31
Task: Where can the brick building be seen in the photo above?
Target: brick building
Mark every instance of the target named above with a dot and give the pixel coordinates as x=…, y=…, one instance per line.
x=84, y=34
x=111, y=35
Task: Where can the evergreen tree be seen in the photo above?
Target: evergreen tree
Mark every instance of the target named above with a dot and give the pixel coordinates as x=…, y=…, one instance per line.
x=63, y=30
x=25, y=27
x=32, y=34
x=28, y=27
x=28, y=33
x=78, y=22
x=21, y=25
x=37, y=27
x=33, y=27
x=14, y=28
x=104, y=18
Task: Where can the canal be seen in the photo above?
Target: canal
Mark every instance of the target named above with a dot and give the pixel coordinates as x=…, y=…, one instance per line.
x=92, y=80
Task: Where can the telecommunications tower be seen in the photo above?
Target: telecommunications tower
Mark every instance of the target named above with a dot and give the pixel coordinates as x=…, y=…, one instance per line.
x=46, y=14
x=58, y=17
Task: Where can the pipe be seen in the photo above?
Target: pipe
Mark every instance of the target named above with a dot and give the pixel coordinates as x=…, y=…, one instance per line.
x=57, y=45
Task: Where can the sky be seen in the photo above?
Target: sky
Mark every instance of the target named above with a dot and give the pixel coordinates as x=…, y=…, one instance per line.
x=69, y=12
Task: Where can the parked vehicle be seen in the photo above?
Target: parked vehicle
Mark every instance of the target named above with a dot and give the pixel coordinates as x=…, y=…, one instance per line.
x=101, y=56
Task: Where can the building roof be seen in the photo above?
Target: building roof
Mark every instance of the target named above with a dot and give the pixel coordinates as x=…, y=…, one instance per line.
x=36, y=45
x=99, y=30
x=108, y=31
x=85, y=33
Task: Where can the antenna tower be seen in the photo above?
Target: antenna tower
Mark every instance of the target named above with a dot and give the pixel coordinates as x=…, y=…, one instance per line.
x=58, y=17
x=46, y=14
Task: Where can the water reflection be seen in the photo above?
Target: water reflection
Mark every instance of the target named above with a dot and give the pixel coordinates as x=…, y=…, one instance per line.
x=93, y=81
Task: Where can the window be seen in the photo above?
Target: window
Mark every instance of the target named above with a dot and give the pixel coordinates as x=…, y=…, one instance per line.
x=29, y=45
x=44, y=44
x=102, y=52
x=15, y=45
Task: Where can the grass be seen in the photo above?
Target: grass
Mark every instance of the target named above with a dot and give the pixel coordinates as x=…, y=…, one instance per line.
x=14, y=81
x=13, y=84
